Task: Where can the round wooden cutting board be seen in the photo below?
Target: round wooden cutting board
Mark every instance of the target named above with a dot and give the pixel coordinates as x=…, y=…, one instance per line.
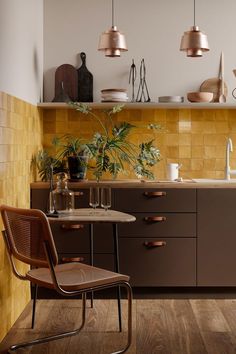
x=213, y=85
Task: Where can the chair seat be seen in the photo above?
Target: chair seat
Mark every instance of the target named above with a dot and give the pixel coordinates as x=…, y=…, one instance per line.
x=75, y=276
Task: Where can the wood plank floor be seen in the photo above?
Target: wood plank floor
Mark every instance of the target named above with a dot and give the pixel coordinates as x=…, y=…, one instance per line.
x=159, y=326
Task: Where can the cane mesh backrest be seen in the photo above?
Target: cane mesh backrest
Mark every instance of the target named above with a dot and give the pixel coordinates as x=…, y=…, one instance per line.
x=27, y=230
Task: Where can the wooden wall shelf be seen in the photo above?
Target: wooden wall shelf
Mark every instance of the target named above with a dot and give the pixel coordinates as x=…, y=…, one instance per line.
x=137, y=105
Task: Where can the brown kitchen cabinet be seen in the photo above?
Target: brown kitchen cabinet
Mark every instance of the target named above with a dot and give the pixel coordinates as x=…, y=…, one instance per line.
x=216, y=242
x=159, y=249
x=197, y=226
x=162, y=215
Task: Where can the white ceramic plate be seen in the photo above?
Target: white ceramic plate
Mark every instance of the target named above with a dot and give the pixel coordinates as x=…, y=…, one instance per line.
x=171, y=99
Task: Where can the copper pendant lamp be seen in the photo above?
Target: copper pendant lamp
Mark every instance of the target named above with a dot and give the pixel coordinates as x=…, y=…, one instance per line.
x=194, y=42
x=112, y=42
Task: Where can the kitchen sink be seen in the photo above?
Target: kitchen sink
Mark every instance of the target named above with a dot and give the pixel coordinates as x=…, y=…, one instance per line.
x=214, y=180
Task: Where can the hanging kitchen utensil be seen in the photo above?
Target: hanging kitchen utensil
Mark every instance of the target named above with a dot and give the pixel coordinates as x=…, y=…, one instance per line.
x=66, y=79
x=215, y=85
x=222, y=98
x=143, y=94
x=85, y=82
x=234, y=90
x=132, y=78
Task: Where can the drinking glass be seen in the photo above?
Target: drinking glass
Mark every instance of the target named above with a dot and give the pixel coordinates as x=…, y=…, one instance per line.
x=94, y=197
x=106, y=197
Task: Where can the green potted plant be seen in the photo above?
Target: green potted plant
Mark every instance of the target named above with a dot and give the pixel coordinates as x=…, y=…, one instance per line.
x=76, y=153
x=111, y=149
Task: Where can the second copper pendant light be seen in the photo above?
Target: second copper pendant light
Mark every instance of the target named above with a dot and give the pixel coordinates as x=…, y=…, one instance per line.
x=194, y=42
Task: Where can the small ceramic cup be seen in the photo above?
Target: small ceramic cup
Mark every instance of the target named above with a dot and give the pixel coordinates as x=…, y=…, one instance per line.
x=173, y=171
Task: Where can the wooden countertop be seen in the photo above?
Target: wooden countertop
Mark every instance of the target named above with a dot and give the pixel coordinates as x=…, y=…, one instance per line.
x=141, y=184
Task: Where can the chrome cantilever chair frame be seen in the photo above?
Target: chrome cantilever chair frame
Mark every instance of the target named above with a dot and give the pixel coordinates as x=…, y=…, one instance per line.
x=59, y=288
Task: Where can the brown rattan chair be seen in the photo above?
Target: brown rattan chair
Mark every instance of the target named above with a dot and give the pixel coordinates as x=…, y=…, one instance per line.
x=28, y=238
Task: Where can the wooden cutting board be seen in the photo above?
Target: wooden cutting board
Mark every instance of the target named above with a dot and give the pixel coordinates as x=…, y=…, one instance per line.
x=213, y=85
x=66, y=83
x=85, y=82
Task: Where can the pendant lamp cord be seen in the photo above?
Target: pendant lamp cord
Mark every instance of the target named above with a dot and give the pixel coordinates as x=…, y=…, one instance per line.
x=194, y=13
x=112, y=12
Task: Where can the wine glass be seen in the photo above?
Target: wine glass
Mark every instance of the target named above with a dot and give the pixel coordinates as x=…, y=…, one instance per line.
x=94, y=197
x=106, y=198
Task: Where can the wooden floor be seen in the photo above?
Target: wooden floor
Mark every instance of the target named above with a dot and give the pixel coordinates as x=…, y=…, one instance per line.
x=159, y=326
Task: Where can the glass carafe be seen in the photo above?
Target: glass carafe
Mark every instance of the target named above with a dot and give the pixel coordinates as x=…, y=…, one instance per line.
x=62, y=199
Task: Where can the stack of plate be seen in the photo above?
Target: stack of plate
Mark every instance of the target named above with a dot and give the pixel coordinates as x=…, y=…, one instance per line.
x=171, y=99
x=114, y=95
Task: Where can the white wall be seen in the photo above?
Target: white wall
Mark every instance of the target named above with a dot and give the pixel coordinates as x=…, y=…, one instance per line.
x=21, y=48
x=153, y=30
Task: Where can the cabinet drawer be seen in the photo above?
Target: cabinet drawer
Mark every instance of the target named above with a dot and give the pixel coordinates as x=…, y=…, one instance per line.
x=69, y=241
x=105, y=261
x=156, y=200
x=78, y=239
x=171, y=265
x=39, y=198
x=160, y=225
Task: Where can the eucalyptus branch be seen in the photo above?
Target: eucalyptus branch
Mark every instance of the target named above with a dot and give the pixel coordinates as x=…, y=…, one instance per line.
x=100, y=122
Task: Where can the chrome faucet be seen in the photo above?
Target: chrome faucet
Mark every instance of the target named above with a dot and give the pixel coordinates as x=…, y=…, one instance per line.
x=228, y=171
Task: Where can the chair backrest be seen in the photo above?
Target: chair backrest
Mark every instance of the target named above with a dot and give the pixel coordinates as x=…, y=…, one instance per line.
x=27, y=230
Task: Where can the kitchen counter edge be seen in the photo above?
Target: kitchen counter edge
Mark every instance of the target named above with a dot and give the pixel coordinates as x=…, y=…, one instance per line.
x=138, y=184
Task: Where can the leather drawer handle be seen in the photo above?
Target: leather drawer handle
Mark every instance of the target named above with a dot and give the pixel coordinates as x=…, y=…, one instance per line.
x=72, y=226
x=155, y=218
x=78, y=194
x=154, y=244
x=155, y=194
x=72, y=259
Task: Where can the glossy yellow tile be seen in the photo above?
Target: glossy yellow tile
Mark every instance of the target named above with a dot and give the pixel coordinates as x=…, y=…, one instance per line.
x=185, y=152
x=197, y=151
x=20, y=137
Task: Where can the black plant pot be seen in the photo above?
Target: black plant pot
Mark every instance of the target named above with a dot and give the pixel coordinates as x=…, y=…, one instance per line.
x=77, y=167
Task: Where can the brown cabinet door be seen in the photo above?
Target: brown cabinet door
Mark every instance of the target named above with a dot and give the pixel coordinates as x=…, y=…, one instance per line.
x=216, y=246
x=160, y=225
x=155, y=200
x=159, y=262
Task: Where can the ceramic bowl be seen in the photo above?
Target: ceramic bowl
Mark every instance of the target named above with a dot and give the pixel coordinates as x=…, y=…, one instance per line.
x=200, y=96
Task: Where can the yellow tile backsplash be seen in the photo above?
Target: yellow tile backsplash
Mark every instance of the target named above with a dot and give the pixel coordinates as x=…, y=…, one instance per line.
x=194, y=137
x=20, y=137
